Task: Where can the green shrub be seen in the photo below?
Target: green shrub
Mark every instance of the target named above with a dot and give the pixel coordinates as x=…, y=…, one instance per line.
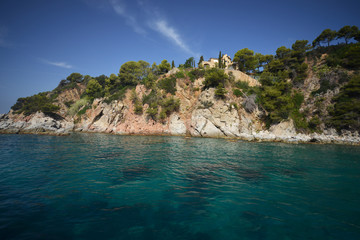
x=215, y=76
x=138, y=108
x=83, y=110
x=231, y=77
x=118, y=95
x=35, y=103
x=69, y=103
x=197, y=73
x=298, y=99
x=180, y=74
x=94, y=89
x=162, y=114
x=170, y=105
x=314, y=124
x=77, y=106
x=346, y=110
x=191, y=76
x=330, y=78
x=233, y=105
x=152, y=111
x=242, y=85
x=206, y=104
x=300, y=122
x=347, y=56
x=220, y=91
x=277, y=101
x=134, y=98
x=53, y=96
x=238, y=93
x=168, y=84
x=150, y=98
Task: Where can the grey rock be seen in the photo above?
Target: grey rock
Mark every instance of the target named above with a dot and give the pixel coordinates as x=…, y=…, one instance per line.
x=249, y=103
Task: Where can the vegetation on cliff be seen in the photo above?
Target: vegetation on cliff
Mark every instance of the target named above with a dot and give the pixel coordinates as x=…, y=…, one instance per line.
x=329, y=72
x=39, y=102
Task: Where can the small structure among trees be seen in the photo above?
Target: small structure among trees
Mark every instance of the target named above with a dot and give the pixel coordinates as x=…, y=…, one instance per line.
x=226, y=62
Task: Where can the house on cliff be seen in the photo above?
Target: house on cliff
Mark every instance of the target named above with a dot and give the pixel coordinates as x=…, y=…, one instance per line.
x=214, y=62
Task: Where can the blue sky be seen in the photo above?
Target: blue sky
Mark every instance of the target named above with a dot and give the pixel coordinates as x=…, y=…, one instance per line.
x=43, y=41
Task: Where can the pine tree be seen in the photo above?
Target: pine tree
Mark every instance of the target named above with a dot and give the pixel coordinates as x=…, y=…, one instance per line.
x=220, y=60
x=172, y=64
x=201, y=60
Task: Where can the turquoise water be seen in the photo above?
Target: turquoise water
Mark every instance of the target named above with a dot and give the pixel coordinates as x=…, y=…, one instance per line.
x=97, y=186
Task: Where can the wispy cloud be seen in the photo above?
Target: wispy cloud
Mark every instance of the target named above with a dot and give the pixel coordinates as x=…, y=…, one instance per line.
x=120, y=9
x=169, y=32
x=157, y=22
x=150, y=18
x=57, y=64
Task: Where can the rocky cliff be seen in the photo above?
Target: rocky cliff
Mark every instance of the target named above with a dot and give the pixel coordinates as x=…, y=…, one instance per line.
x=201, y=114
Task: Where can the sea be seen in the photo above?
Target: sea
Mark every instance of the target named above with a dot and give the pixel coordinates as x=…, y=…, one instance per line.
x=100, y=186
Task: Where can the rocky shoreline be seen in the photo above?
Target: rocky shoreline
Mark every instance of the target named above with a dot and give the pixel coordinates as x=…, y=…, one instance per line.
x=200, y=114
x=41, y=124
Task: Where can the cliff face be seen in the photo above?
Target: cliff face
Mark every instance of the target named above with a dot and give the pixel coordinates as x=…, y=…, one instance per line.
x=200, y=114
x=218, y=119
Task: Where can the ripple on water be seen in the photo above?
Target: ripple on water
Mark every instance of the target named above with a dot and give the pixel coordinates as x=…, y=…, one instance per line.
x=97, y=186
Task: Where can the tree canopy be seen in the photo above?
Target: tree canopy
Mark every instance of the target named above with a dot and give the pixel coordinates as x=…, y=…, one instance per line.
x=215, y=76
x=131, y=73
x=75, y=77
x=346, y=112
x=326, y=36
x=164, y=66
x=94, y=89
x=189, y=63
x=245, y=60
x=35, y=103
x=347, y=33
x=200, y=60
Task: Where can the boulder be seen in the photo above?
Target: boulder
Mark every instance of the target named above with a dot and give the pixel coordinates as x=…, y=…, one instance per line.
x=249, y=103
x=177, y=126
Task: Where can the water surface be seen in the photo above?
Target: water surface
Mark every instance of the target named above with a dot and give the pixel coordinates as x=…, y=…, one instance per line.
x=97, y=186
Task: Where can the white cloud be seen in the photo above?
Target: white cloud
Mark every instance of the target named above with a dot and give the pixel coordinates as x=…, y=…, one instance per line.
x=58, y=64
x=120, y=9
x=151, y=17
x=163, y=27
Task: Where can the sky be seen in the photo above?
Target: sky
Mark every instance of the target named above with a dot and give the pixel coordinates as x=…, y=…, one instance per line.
x=44, y=41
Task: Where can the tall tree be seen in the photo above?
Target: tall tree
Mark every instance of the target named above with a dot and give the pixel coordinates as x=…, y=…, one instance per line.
x=260, y=60
x=154, y=69
x=172, y=64
x=220, y=60
x=283, y=52
x=164, y=66
x=299, y=49
x=94, y=89
x=346, y=112
x=189, y=62
x=201, y=60
x=327, y=36
x=75, y=77
x=245, y=60
x=347, y=33
x=131, y=73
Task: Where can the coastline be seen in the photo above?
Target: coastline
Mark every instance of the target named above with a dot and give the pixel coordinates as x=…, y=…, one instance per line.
x=260, y=137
